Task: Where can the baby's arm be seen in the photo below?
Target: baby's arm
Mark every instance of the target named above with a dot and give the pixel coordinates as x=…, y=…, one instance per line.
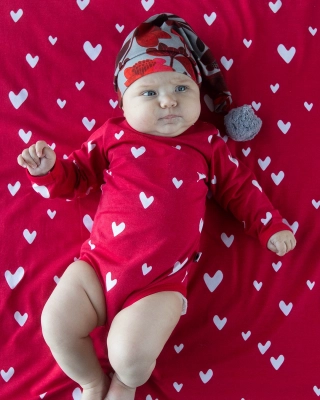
x=39, y=159
x=282, y=242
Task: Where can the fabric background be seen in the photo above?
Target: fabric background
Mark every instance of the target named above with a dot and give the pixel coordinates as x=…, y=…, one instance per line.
x=252, y=327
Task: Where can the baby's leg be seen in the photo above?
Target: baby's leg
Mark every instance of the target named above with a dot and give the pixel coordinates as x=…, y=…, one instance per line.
x=136, y=338
x=74, y=309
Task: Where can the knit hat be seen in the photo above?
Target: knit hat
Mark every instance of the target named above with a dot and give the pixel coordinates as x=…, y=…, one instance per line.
x=166, y=42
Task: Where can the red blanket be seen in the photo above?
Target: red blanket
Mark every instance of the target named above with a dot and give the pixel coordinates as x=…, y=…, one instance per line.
x=252, y=327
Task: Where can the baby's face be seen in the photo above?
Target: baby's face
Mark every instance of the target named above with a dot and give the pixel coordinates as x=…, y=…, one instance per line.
x=162, y=104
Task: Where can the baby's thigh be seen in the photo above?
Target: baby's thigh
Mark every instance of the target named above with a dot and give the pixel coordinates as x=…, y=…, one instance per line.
x=77, y=303
x=140, y=331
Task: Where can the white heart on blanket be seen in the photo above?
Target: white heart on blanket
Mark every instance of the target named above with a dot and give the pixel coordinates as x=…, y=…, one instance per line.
x=119, y=28
x=308, y=106
x=210, y=18
x=313, y=31
x=113, y=103
x=246, y=152
x=213, y=282
x=6, y=376
x=42, y=396
x=286, y=55
x=83, y=4
x=25, y=136
x=264, y=164
x=227, y=240
x=263, y=348
x=13, y=189
x=277, y=179
x=226, y=63
x=146, y=269
x=88, y=222
x=92, y=52
x=275, y=7
x=80, y=85
x=246, y=335
x=137, y=152
x=150, y=398
x=51, y=214
x=247, y=43
x=316, y=204
x=277, y=266
x=219, y=323
x=145, y=201
x=41, y=190
x=119, y=135
x=32, y=61
x=16, y=15
x=147, y=4
x=205, y=377
x=255, y=105
x=110, y=283
x=275, y=87
x=316, y=390
x=179, y=348
x=21, y=319
x=257, y=285
x=29, y=236
x=52, y=40
x=310, y=284
x=285, y=308
x=14, y=279
x=18, y=99
x=277, y=362
x=88, y=124
x=177, y=183
x=178, y=386
x=267, y=218
x=117, y=229
x=61, y=103
x=284, y=128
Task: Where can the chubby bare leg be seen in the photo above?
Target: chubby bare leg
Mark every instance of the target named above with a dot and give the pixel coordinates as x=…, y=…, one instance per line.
x=74, y=309
x=137, y=335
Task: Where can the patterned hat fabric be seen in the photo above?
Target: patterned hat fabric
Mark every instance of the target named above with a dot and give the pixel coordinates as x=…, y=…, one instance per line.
x=166, y=42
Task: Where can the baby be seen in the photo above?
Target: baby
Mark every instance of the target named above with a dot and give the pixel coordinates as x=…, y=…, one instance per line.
x=154, y=168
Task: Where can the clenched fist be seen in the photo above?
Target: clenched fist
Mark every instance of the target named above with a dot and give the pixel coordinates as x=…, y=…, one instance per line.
x=282, y=242
x=39, y=158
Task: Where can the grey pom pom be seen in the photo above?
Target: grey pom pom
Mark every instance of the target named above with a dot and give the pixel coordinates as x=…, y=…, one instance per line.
x=242, y=124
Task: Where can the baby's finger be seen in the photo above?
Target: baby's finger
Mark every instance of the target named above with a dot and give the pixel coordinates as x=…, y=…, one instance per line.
x=281, y=248
x=28, y=159
x=40, y=146
x=33, y=154
x=21, y=161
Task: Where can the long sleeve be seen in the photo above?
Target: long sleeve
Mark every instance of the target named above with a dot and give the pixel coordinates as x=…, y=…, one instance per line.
x=80, y=173
x=236, y=189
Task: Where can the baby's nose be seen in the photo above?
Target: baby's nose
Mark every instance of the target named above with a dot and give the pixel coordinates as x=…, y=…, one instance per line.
x=168, y=101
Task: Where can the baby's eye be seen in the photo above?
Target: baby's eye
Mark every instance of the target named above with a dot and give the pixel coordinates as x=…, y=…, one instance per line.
x=181, y=88
x=149, y=93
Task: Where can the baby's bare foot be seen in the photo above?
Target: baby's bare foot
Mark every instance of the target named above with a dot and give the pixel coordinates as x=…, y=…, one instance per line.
x=96, y=390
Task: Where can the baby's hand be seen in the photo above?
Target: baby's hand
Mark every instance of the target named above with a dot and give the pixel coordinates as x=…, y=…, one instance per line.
x=282, y=242
x=39, y=158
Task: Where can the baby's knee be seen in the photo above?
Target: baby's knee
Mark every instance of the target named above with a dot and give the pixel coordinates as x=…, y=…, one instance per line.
x=133, y=365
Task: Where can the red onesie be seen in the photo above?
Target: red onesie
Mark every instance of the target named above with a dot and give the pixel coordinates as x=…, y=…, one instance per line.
x=147, y=227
